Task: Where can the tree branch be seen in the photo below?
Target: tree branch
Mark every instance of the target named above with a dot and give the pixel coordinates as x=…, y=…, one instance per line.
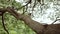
x=37, y=27
x=4, y=24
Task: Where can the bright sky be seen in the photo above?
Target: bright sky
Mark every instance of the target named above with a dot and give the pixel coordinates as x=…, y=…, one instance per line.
x=43, y=18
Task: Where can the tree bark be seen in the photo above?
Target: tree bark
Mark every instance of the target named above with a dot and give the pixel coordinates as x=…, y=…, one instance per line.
x=53, y=29
x=37, y=27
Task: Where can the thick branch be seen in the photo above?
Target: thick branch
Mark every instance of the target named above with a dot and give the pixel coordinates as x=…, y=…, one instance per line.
x=33, y=24
x=37, y=27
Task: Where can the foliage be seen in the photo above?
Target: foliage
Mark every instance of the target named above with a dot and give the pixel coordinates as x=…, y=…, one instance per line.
x=13, y=25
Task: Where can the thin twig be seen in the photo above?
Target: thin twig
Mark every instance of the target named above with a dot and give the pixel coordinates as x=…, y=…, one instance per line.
x=4, y=24
x=56, y=20
x=24, y=5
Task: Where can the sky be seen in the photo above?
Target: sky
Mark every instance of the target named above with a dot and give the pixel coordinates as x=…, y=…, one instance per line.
x=42, y=19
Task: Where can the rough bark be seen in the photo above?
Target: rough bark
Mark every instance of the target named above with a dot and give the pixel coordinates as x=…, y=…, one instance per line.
x=53, y=29
x=37, y=27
